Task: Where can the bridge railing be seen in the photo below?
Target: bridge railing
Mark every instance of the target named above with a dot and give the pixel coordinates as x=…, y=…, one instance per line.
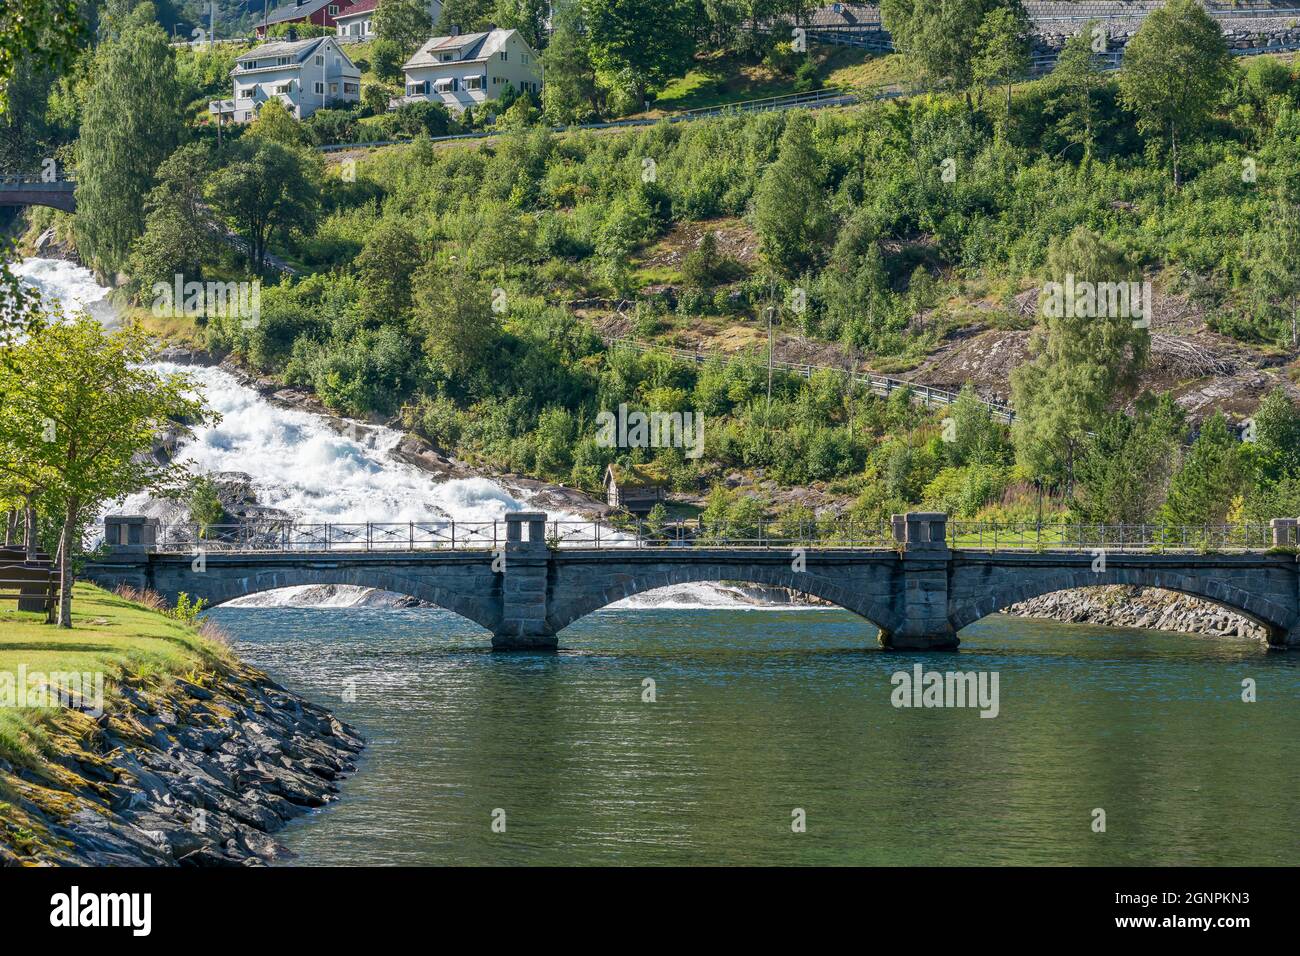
x=449, y=535
x=837, y=532
x=991, y=536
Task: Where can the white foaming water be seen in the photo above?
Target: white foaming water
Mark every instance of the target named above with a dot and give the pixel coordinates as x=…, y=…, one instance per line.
x=299, y=463
x=71, y=285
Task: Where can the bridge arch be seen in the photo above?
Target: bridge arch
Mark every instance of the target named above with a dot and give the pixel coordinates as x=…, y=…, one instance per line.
x=879, y=612
x=1268, y=614
x=221, y=590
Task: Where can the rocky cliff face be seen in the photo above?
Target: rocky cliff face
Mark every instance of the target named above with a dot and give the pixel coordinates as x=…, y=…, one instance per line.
x=189, y=774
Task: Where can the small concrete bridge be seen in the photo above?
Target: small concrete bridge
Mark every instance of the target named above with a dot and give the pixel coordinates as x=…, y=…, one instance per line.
x=36, y=190
x=920, y=585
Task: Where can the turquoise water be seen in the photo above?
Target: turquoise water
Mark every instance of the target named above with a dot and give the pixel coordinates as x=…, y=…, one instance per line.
x=762, y=713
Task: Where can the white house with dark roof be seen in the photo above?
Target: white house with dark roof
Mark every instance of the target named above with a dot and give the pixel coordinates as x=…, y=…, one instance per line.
x=464, y=71
x=358, y=20
x=305, y=75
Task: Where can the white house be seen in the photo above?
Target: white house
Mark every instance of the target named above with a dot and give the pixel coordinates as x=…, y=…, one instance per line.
x=358, y=20
x=305, y=75
x=462, y=71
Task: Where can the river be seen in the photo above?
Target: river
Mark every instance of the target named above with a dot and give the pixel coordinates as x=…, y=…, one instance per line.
x=761, y=719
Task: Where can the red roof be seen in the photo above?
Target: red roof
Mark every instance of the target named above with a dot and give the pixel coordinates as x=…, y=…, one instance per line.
x=361, y=6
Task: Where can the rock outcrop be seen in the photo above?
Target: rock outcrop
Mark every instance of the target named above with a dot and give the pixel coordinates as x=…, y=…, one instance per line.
x=1122, y=606
x=190, y=774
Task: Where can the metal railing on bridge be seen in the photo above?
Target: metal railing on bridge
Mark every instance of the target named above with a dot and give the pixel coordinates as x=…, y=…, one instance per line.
x=1032, y=536
x=838, y=532
x=33, y=179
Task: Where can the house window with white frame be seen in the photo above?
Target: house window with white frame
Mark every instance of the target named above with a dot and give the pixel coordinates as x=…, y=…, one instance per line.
x=475, y=82
x=319, y=87
x=334, y=9
x=447, y=85
x=283, y=88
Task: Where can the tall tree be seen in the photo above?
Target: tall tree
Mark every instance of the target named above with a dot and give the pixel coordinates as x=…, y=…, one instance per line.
x=178, y=234
x=638, y=45
x=44, y=31
x=790, y=209
x=131, y=123
x=936, y=34
x=1276, y=449
x=82, y=408
x=454, y=315
x=1073, y=87
x=270, y=189
x=1124, y=470
x=1002, y=50
x=1277, y=261
x=465, y=15
x=1212, y=476
x=385, y=266
x=404, y=22
x=1083, y=357
x=1176, y=68
x=526, y=16
x=569, y=94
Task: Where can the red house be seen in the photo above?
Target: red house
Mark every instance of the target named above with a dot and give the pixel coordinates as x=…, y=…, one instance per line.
x=319, y=12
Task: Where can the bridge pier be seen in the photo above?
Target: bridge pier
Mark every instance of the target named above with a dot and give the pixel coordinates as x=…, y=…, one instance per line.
x=923, y=594
x=524, y=585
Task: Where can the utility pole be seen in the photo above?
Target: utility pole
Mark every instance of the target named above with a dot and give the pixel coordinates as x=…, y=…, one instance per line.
x=771, y=314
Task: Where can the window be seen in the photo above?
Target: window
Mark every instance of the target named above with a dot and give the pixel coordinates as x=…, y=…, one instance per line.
x=282, y=61
x=445, y=86
x=334, y=9
x=334, y=89
x=474, y=82
x=319, y=87
x=320, y=60
x=283, y=88
x=504, y=56
x=418, y=89
x=349, y=88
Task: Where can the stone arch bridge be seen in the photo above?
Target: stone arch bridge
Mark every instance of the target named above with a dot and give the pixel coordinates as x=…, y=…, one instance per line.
x=917, y=590
x=37, y=190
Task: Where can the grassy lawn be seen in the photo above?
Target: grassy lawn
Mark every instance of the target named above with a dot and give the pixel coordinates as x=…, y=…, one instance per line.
x=720, y=80
x=109, y=635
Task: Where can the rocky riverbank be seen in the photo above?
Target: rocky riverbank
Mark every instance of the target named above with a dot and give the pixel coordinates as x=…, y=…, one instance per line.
x=175, y=772
x=1126, y=606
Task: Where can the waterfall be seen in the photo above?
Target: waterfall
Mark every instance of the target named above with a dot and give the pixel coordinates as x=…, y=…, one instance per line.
x=300, y=462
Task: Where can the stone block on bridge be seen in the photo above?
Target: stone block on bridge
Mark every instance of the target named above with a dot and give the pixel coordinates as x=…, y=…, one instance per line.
x=536, y=523
x=921, y=530
x=1284, y=531
x=130, y=534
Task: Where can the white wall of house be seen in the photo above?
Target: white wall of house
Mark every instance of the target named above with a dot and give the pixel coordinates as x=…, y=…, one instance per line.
x=457, y=83
x=302, y=77
x=362, y=25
